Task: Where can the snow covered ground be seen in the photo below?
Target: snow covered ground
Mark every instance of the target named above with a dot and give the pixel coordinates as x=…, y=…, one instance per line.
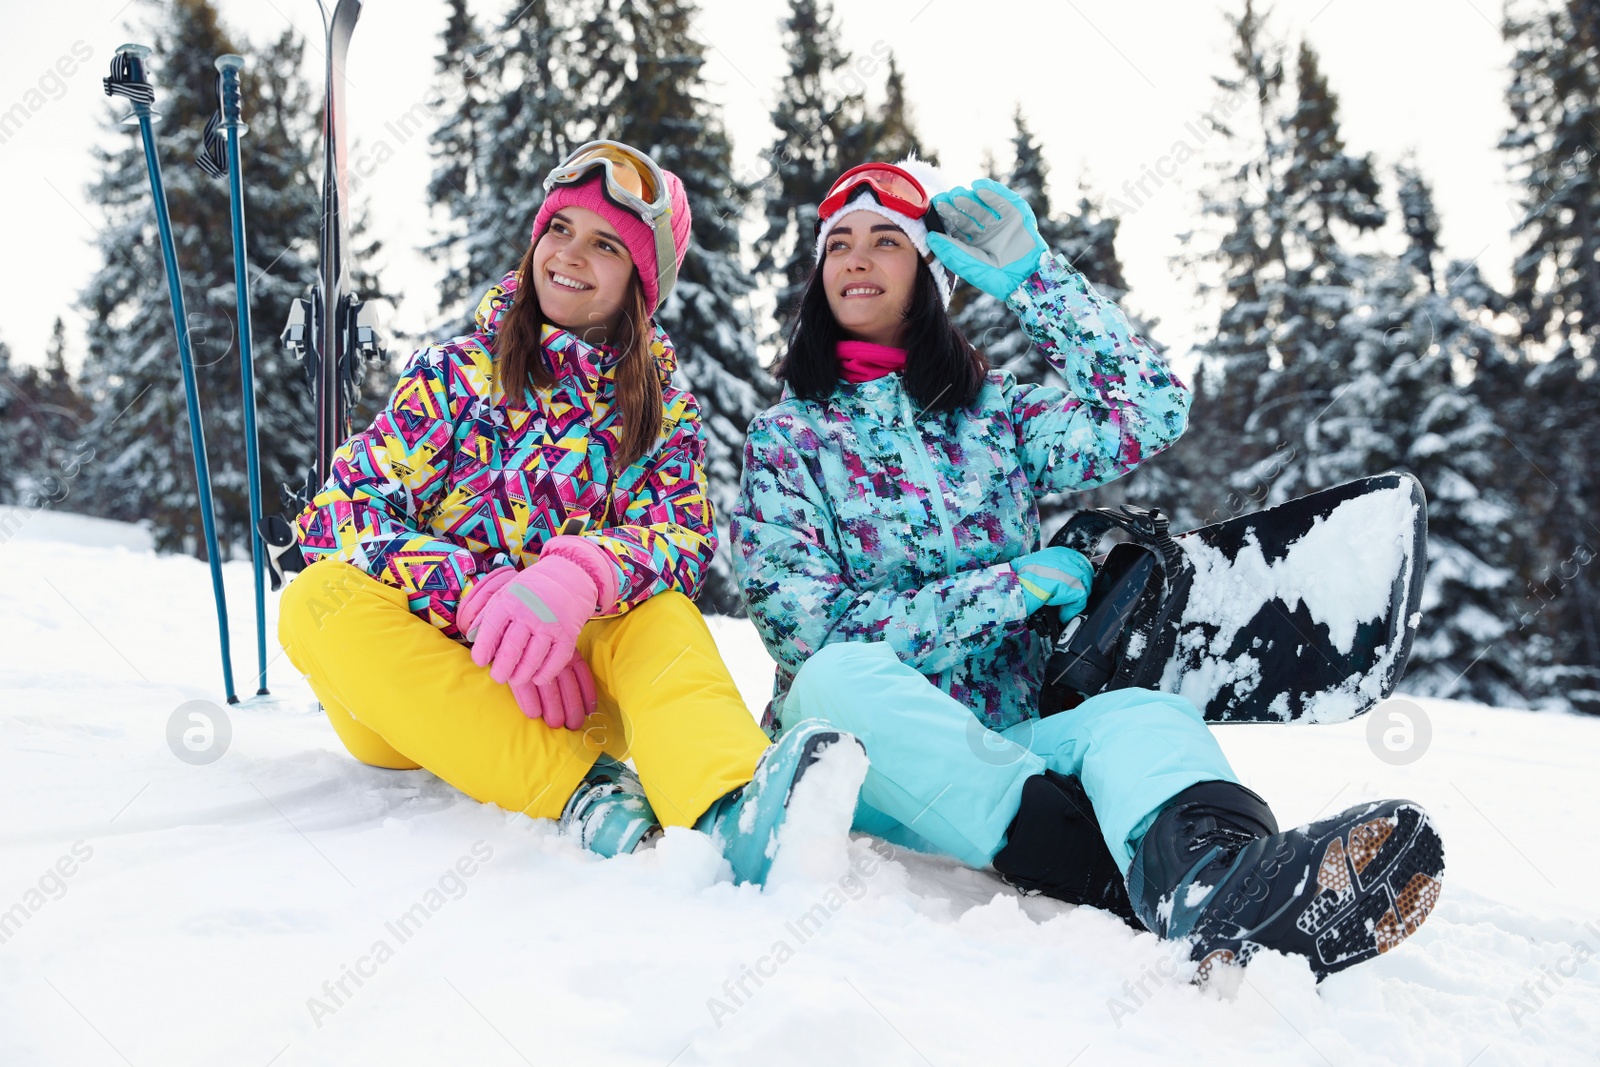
x=286, y=905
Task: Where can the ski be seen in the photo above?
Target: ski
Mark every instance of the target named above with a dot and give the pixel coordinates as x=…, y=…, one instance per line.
x=331, y=331
x=332, y=392
x=129, y=80
x=219, y=157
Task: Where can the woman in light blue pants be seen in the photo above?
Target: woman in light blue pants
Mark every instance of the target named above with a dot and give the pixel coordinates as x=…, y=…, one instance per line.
x=886, y=542
x=887, y=530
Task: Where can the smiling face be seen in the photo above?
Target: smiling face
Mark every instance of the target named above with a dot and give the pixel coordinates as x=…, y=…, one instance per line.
x=581, y=274
x=869, y=267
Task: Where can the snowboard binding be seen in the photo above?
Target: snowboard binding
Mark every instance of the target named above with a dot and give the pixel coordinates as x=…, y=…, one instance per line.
x=1099, y=650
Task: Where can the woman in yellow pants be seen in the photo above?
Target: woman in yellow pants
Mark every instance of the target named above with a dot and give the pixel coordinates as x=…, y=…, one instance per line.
x=501, y=564
x=665, y=700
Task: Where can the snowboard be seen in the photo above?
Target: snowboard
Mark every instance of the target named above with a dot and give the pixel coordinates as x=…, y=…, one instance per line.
x=1304, y=611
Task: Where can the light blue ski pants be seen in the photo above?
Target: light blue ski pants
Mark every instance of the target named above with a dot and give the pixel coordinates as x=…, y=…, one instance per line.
x=941, y=781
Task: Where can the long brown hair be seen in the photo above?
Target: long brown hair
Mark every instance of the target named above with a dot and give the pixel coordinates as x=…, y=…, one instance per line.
x=519, y=361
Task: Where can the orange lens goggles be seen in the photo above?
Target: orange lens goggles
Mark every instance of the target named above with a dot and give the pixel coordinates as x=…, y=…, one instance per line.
x=628, y=171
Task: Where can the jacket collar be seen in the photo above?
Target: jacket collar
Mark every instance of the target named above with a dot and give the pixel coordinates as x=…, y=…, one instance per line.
x=858, y=394
x=566, y=353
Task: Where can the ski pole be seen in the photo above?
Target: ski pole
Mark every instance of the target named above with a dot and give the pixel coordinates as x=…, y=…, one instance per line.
x=128, y=80
x=216, y=162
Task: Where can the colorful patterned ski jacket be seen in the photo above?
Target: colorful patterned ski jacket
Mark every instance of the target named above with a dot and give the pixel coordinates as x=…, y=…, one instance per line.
x=861, y=518
x=451, y=481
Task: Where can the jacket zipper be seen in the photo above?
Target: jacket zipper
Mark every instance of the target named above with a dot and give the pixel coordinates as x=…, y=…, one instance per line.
x=944, y=679
x=942, y=514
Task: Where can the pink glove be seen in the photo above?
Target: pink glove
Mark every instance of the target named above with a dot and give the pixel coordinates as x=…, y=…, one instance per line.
x=528, y=630
x=565, y=702
x=562, y=704
x=478, y=597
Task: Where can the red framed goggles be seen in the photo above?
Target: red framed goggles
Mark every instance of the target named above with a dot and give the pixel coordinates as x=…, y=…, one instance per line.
x=892, y=187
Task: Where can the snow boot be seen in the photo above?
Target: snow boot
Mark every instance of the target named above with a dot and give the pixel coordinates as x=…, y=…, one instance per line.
x=747, y=824
x=1213, y=869
x=608, y=812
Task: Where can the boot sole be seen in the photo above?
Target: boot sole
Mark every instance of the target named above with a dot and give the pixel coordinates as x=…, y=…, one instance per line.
x=1375, y=881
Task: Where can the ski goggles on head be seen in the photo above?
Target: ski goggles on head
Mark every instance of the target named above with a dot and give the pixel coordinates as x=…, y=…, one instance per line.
x=632, y=181
x=892, y=187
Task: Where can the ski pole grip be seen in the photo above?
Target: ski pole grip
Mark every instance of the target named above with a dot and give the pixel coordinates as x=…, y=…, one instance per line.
x=134, y=55
x=129, y=79
x=228, y=66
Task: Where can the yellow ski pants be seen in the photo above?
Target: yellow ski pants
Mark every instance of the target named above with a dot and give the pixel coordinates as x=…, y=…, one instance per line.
x=401, y=694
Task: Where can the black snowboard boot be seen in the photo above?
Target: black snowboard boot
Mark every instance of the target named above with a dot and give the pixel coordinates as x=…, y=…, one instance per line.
x=1214, y=869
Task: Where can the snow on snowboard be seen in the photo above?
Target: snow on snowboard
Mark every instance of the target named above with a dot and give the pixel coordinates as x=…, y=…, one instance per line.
x=1305, y=610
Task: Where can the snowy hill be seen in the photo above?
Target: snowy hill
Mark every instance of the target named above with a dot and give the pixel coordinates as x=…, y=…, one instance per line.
x=287, y=905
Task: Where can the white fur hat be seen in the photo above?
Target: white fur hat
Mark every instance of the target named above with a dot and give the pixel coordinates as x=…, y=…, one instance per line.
x=933, y=183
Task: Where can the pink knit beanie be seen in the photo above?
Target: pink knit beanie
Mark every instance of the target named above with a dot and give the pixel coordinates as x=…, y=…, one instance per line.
x=633, y=230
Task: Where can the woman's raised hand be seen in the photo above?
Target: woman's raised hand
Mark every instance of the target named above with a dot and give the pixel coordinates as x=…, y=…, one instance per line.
x=991, y=238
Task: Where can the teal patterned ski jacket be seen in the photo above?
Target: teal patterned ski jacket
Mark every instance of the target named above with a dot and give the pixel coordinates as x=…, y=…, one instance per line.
x=862, y=519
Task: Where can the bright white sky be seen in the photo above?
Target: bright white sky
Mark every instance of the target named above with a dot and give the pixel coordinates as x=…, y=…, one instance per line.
x=1109, y=87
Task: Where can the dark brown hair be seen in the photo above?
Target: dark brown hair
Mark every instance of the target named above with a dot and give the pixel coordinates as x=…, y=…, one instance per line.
x=943, y=371
x=519, y=361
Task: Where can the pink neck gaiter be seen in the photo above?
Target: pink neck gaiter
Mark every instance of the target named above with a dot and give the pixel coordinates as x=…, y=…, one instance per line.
x=863, y=361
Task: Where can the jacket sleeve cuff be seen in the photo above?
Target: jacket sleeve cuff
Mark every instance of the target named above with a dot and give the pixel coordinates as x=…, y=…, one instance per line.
x=1047, y=272
x=477, y=596
x=1010, y=586
x=595, y=561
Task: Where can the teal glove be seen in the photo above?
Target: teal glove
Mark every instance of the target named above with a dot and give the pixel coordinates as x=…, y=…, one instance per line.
x=1059, y=576
x=992, y=239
